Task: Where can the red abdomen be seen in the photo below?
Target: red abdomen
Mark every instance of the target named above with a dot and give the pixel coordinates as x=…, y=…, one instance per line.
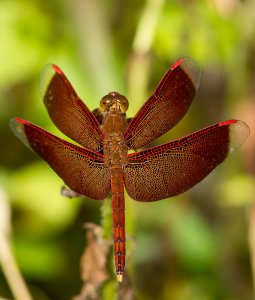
x=118, y=213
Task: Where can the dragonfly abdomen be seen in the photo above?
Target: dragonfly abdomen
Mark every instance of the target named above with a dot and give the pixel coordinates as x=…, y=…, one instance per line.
x=118, y=213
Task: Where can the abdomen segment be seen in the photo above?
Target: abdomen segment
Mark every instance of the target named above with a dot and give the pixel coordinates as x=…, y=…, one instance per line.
x=118, y=213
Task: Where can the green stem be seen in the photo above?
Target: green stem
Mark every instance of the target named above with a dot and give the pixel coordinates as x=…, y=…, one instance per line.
x=138, y=75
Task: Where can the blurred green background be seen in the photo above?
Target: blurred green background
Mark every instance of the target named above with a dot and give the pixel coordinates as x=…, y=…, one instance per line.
x=195, y=246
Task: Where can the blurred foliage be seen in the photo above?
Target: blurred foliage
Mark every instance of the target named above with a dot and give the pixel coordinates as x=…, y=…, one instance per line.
x=193, y=248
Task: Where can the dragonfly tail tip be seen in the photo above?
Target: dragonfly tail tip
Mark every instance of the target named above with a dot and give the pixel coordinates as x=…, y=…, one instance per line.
x=119, y=277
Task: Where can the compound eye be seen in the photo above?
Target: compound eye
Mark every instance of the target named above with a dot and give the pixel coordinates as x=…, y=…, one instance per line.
x=104, y=103
x=123, y=103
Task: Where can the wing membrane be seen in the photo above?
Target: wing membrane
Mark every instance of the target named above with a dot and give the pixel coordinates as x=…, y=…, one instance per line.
x=168, y=104
x=82, y=170
x=67, y=111
x=173, y=168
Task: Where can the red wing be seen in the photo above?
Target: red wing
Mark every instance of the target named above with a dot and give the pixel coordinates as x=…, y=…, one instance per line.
x=67, y=111
x=82, y=170
x=168, y=104
x=173, y=168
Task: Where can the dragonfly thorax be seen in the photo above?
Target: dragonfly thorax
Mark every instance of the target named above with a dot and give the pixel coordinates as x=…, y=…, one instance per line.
x=115, y=150
x=114, y=126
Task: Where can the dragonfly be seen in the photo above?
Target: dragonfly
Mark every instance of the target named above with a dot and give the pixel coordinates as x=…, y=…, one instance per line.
x=101, y=162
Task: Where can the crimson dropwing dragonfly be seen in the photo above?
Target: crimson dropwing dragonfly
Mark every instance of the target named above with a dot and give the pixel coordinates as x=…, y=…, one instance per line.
x=102, y=164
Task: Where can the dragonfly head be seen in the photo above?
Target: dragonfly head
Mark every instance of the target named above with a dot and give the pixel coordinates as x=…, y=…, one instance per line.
x=114, y=100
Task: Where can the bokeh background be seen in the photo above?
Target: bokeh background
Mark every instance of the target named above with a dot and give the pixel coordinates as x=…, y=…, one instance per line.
x=199, y=245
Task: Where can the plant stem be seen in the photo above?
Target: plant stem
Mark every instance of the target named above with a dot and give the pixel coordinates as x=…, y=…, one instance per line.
x=7, y=260
x=139, y=66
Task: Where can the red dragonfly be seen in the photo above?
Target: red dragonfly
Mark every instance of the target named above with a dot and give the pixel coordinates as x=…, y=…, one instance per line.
x=102, y=164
